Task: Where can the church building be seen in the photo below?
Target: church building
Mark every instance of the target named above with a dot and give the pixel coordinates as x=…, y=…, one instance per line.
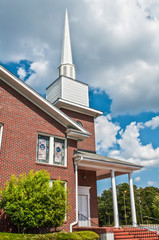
x=57, y=134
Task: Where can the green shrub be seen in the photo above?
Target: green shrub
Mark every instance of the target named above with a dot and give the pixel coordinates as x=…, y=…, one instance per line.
x=30, y=202
x=51, y=236
x=88, y=235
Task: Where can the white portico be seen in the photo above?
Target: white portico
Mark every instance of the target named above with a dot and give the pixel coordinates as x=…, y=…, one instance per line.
x=106, y=167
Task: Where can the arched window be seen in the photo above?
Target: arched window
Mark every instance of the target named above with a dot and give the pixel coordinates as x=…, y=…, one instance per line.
x=79, y=123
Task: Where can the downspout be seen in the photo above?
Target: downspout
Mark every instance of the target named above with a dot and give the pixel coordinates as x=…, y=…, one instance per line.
x=76, y=188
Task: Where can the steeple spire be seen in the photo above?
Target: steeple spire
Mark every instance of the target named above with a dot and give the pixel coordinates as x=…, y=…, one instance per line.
x=67, y=68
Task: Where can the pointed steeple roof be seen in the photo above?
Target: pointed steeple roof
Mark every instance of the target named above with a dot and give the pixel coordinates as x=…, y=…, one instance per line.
x=66, y=56
x=67, y=68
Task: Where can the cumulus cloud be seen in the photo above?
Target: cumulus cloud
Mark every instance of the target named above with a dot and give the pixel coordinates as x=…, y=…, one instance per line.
x=127, y=146
x=137, y=179
x=150, y=183
x=154, y=123
x=39, y=71
x=133, y=150
x=22, y=73
x=106, y=132
x=115, y=45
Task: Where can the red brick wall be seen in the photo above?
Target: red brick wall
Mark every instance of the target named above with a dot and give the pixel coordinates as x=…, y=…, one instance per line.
x=22, y=121
x=90, y=180
x=88, y=124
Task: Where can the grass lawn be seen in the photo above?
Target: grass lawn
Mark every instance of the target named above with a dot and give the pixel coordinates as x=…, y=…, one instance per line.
x=50, y=236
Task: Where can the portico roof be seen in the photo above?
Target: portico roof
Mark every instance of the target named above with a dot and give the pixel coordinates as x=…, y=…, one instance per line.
x=103, y=165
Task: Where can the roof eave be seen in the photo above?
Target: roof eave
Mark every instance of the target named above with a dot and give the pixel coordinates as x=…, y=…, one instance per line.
x=39, y=101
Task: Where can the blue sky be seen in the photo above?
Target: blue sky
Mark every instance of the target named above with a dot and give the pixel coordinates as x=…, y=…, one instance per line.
x=115, y=47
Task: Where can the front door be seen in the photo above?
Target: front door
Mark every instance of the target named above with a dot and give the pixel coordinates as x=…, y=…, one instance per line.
x=83, y=207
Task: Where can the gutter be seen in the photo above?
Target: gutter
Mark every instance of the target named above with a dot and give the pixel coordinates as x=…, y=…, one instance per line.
x=76, y=179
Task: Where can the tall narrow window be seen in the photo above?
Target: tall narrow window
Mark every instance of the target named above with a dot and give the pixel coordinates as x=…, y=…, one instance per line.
x=1, y=132
x=59, y=151
x=43, y=149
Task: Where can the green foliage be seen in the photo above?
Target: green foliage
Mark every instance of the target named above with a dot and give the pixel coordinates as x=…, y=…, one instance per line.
x=105, y=208
x=31, y=203
x=155, y=206
x=51, y=236
x=146, y=201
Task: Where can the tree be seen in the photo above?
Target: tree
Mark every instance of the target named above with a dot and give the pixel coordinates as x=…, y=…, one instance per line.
x=155, y=206
x=146, y=202
x=105, y=208
x=30, y=202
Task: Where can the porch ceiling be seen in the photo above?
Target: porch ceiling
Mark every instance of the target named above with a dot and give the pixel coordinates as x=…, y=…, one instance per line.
x=103, y=165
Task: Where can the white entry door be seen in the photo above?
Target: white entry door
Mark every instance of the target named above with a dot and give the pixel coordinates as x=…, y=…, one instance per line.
x=83, y=207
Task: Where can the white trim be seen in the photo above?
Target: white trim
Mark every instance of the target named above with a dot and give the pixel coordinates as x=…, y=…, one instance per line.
x=38, y=100
x=1, y=133
x=83, y=190
x=76, y=195
x=108, y=162
x=61, y=103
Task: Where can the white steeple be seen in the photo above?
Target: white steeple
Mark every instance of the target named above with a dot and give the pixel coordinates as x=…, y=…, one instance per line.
x=67, y=68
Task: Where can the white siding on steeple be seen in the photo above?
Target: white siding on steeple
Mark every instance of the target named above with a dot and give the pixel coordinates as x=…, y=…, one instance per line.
x=75, y=91
x=54, y=91
x=68, y=89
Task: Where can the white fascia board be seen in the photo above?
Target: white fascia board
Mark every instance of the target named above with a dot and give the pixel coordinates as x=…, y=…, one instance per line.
x=72, y=133
x=38, y=100
x=61, y=103
x=97, y=161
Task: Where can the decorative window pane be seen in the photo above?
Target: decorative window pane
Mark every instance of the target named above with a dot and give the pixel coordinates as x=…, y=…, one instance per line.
x=59, y=151
x=43, y=149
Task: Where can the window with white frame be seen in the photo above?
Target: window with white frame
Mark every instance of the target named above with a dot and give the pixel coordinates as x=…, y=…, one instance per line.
x=51, y=150
x=1, y=132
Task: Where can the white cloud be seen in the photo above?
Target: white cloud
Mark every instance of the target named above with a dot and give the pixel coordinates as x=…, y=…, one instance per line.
x=115, y=46
x=106, y=132
x=150, y=183
x=21, y=72
x=128, y=146
x=154, y=123
x=137, y=179
x=132, y=149
x=40, y=72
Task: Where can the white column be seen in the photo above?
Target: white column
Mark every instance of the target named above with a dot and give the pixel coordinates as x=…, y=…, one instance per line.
x=115, y=204
x=133, y=210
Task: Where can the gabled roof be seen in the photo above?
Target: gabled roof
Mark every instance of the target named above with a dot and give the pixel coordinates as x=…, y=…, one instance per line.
x=103, y=165
x=73, y=130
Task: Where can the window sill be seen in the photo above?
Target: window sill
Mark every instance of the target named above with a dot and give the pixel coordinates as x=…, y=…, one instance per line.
x=51, y=165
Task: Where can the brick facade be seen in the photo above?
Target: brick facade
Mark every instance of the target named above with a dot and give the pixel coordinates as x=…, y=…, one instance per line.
x=88, y=179
x=88, y=124
x=22, y=121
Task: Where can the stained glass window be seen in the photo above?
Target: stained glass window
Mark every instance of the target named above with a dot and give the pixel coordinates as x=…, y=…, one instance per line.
x=59, y=151
x=43, y=149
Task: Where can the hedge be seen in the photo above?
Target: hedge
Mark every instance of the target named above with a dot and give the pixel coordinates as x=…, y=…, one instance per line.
x=86, y=235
